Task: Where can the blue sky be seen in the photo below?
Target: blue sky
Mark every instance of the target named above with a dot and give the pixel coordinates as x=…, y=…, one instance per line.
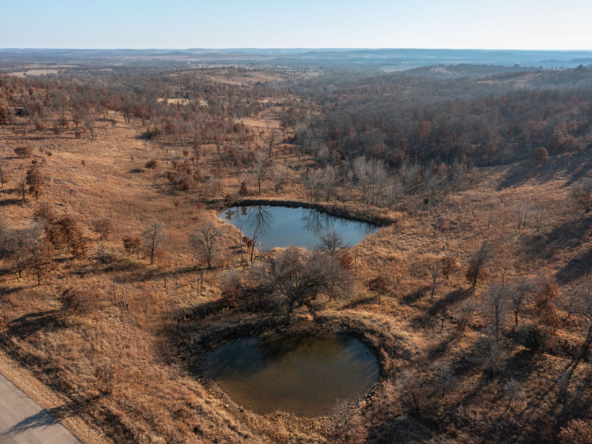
x=480, y=24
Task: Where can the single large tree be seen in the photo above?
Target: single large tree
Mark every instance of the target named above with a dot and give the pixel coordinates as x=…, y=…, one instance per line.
x=35, y=181
x=18, y=244
x=205, y=242
x=259, y=170
x=332, y=243
x=42, y=259
x=519, y=293
x=154, y=235
x=496, y=299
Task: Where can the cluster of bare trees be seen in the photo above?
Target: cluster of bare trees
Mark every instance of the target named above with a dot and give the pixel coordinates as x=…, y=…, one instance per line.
x=28, y=251
x=505, y=303
x=63, y=231
x=370, y=181
x=292, y=278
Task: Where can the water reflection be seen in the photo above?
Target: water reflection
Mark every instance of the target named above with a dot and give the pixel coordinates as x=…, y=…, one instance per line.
x=306, y=375
x=273, y=227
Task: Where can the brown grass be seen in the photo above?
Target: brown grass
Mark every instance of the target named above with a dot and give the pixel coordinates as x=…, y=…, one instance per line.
x=142, y=322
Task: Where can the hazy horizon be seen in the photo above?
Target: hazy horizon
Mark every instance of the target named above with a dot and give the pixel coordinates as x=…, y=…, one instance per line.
x=248, y=48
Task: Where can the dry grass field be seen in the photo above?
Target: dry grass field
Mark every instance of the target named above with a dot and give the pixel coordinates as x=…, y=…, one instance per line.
x=121, y=369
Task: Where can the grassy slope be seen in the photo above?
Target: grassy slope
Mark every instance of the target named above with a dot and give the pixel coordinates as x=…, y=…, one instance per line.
x=157, y=400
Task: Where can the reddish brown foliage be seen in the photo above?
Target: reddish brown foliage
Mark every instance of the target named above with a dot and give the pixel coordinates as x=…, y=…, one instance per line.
x=23, y=151
x=346, y=261
x=35, y=181
x=541, y=155
x=577, y=431
x=544, y=304
x=132, y=244
x=449, y=266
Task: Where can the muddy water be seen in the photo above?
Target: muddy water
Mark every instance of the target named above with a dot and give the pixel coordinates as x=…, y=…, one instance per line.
x=306, y=375
x=274, y=227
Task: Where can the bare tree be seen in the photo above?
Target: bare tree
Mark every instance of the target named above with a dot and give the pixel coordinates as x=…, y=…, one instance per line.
x=496, y=299
x=132, y=244
x=444, y=377
x=103, y=226
x=332, y=243
x=154, y=235
x=22, y=188
x=511, y=391
x=42, y=259
x=435, y=267
x=581, y=194
x=205, y=241
x=90, y=125
x=279, y=177
x=259, y=170
x=519, y=293
x=521, y=212
x=271, y=142
x=3, y=174
x=293, y=278
x=583, y=309
x=18, y=244
x=539, y=214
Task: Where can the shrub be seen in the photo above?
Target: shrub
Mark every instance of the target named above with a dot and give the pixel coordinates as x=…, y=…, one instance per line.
x=23, y=151
x=346, y=261
x=132, y=244
x=244, y=191
x=535, y=340
x=151, y=164
x=378, y=285
x=76, y=301
x=541, y=155
x=107, y=375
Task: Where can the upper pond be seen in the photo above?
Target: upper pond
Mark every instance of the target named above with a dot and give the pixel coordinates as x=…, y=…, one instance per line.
x=282, y=226
x=307, y=375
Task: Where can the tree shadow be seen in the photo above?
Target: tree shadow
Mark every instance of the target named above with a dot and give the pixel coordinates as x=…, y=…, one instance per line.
x=29, y=324
x=451, y=299
x=444, y=346
x=520, y=173
x=568, y=236
x=368, y=300
x=576, y=268
x=577, y=168
x=416, y=295
x=47, y=418
x=8, y=202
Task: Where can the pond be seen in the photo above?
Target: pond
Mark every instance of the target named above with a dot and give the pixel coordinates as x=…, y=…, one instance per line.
x=304, y=374
x=273, y=227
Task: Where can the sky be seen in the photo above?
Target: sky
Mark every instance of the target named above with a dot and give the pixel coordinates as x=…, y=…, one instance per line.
x=182, y=24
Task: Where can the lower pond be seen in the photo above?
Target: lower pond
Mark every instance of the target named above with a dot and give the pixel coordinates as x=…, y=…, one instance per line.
x=306, y=375
x=273, y=227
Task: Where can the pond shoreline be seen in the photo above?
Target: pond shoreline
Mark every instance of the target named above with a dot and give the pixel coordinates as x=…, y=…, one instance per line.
x=332, y=209
x=286, y=371
x=392, y=352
